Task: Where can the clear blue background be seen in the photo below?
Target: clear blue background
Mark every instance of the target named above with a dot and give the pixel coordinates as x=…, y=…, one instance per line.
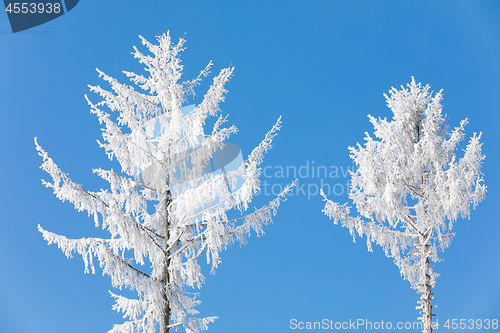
x=323, y=66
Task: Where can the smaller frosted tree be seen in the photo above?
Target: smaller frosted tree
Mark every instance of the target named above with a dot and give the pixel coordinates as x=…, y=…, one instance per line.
x=409, y=188
x=163, y=210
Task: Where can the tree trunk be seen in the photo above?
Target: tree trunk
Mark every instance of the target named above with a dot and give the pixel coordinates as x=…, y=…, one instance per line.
x=165, y=321
x=166, y=317
x=425, y=288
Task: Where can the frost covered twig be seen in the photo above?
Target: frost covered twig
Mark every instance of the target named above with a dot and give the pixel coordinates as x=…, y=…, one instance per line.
x=163, y=210
x=412, y=161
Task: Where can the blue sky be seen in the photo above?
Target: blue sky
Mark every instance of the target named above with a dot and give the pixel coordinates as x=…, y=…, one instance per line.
x=323, y=66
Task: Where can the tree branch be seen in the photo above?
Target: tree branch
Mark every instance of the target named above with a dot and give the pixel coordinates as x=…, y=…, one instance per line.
x=411, y=188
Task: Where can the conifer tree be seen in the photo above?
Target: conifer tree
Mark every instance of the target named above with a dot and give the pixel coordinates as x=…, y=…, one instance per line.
x=409, y=187
x=163, y=210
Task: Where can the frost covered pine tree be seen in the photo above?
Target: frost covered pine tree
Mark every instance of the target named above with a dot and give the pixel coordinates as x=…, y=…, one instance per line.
x=409, y=188
x=169, y=220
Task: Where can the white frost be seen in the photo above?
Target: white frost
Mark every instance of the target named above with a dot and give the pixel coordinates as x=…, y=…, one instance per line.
x=189, y=216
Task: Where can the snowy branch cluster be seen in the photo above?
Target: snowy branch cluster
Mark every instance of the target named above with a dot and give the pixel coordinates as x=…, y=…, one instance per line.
x=162, y=210
x=409, y=187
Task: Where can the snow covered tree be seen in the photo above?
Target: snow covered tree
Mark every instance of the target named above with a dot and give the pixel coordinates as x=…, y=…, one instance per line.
x=163, y=210
x=409, y=188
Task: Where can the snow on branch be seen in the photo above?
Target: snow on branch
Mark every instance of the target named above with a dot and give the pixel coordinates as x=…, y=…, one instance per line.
x=164, y=210
x=68, y=190
x=411, y=187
